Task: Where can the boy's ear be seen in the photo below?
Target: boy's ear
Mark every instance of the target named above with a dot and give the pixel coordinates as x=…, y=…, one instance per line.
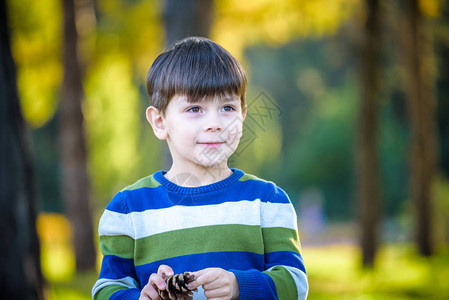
x=156, y=120
x=245, y=109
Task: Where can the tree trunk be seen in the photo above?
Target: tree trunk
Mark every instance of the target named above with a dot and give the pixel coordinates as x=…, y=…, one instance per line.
x=20, y=273
x=419, y=80
x=187, y=18
x=73, y=147
x=369, y=187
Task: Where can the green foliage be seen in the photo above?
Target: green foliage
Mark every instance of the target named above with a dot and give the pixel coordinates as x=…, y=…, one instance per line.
x=111, y=123
x=393, y=147
x=46, y=168
x=315, y=83
x=278, y=22
x=323, y=155
x=122, y=149
x=77, y=289
x=261, y=144
x=131, y=29
x=440, y=192
x=36, y=44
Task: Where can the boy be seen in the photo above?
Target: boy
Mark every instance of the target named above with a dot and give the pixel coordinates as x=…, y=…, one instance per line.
x=236, y=233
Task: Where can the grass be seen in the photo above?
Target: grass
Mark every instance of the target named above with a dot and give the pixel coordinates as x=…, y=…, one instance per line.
x=334, y=273
x=77, y=288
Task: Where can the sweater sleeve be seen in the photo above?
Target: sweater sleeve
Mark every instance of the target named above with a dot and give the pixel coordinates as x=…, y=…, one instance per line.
x=284, y=276
x=118, y=279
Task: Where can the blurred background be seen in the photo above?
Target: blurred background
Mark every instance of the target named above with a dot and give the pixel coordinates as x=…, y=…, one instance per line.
x=348, y=104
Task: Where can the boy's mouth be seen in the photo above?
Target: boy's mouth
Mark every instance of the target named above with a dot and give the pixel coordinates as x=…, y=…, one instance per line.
x=212, y=145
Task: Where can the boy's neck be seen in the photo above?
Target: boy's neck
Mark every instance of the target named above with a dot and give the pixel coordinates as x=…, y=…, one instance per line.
x=198, y=175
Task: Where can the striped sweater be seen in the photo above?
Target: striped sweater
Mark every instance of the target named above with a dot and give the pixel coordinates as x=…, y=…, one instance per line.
x=242, y=224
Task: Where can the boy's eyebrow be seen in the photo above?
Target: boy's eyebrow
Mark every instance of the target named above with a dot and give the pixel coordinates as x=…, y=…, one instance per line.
x=229, y=99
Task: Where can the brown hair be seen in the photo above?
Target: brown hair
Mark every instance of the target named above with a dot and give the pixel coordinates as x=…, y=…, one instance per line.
x=197, y=68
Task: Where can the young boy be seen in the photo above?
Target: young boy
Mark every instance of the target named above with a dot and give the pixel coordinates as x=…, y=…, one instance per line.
x=236, y=234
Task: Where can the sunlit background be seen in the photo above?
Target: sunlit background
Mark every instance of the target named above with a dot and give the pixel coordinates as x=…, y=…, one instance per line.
x=302, y=64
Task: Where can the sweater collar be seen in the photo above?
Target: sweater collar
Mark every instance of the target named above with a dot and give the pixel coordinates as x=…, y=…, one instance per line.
x=173, y=187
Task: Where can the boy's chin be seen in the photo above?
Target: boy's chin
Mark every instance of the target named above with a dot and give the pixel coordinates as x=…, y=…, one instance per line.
x=214, y=164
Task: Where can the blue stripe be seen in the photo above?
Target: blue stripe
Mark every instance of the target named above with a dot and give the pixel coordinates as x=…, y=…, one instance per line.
x=286, y=258
x=118, y=204
x=271, y=292
x=254, y=284
x=157, y=198
x=272, y=289
x=279, y=196
x=114, y=267
x=196, y=262
x=126, y=294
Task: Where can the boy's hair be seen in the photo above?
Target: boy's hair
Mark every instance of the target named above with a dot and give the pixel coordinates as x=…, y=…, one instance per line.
x=195, y=67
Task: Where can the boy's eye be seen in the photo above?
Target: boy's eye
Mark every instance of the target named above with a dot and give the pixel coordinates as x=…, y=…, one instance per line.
x=194, y=109
x=228, y=108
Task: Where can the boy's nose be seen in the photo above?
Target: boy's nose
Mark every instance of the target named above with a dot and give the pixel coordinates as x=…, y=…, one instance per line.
x=213, y=123
x=213, y=127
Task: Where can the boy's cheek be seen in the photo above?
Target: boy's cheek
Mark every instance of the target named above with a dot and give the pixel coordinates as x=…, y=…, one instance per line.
x=235, y=134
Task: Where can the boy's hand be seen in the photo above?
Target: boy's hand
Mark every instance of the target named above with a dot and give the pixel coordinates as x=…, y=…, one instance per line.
x=217, y=284
x=157, y=281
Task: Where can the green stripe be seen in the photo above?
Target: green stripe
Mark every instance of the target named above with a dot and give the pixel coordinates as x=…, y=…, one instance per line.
x=118, y=245
x=107, y=291
x=246, y=177
x=201, y=240
x=147, y=182
x=281, y=239
x=285, y=284
x=198, y=240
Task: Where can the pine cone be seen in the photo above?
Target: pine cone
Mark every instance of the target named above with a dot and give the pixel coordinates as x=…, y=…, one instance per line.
x=176, y=285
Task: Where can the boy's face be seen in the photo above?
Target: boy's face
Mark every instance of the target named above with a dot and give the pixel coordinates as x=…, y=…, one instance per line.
x=203, y=134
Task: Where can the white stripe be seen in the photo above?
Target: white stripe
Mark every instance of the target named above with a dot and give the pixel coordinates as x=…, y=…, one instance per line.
x=300, y=278
x=150, y=222
x=279, y=215
x=199, y=295
x=114, y=223
x=128, y=282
